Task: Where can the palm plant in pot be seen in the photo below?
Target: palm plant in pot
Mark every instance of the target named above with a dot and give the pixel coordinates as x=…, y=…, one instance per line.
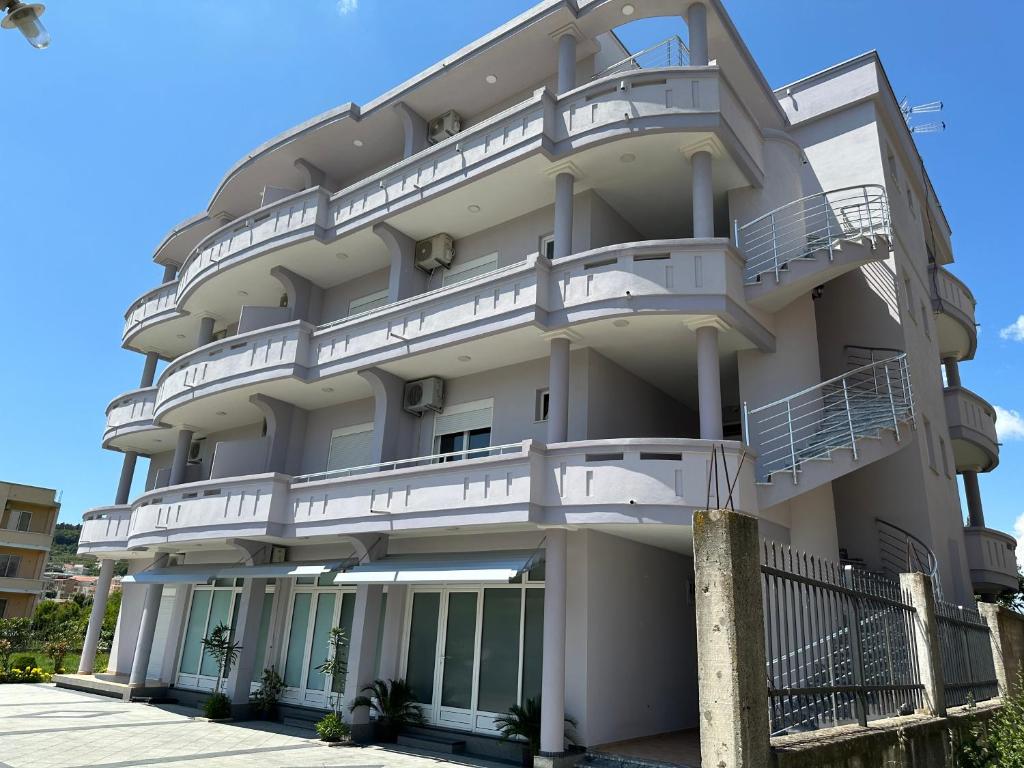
x=224, y=651
x=331, y=727
x=522, y=723
x=393, y=705
x=265, y=699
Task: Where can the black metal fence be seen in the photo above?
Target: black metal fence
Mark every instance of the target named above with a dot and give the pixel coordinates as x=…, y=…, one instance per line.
x=839, y=643
x=968, y=668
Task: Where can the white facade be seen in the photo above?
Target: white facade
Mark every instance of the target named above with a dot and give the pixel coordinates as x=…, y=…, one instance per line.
x=649, y=263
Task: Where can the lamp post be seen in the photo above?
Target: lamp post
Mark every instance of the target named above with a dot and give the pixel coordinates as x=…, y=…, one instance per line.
x=25, y=18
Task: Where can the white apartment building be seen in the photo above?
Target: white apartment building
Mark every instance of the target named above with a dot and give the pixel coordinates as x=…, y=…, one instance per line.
x=449, y=368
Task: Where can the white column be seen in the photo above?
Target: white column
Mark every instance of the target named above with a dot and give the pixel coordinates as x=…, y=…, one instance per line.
x=124, y=484
x=170, y=272
x=147, y=626
x=552, y=726
x=697, y=24
x=180, y=460
x=709, y=387
x=247, y=633
x=205, y=334
x=99, y=609
x=149, y=370
x=362, y=654
x=564, y=183
x=566, y=62
x=391, y=636
x=703, y=195
x=558, y=390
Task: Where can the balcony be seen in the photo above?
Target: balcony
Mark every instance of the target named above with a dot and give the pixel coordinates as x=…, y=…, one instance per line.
x=992, y=558
x=953, y=304
x=25, y=539
x=130, y=425
x=656, y=483
x=645, y=103
x=21, y=586
x=104, y=529
x=149, y=309
x=972, y=427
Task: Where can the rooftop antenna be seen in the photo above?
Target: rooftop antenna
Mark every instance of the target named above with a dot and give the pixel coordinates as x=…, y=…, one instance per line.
x=908, y=113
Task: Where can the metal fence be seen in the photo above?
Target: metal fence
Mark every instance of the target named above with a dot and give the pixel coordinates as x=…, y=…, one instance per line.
x=839, y=643
x=968, y=668
x=671, y=52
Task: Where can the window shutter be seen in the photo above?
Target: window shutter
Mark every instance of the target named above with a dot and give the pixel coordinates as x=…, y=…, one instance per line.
x=367, y=303
x=446, y=423
x=470, y=269
x=350, y=449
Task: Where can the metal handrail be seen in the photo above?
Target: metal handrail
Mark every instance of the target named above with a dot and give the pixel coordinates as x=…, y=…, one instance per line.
x=813, y=223
x=436, y=458
x=836, y=413
x=670, y=52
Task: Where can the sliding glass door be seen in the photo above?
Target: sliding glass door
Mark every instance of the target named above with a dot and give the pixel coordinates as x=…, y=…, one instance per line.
x=314, y=612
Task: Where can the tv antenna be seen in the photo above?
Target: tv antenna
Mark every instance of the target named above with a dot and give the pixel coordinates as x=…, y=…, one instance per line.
x=908, y=113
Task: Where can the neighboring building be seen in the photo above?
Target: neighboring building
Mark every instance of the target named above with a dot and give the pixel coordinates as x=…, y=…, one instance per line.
x=28, y=516
x=485, y=470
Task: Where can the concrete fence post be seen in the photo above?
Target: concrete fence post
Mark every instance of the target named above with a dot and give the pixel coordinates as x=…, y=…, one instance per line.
x=733, y=688
x=919, y=589
x=1006, y=632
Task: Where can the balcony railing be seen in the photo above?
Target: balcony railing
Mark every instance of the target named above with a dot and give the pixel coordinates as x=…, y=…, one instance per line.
x=834, y=414
x=151, y=304
x=671, y=52
x=814, y=224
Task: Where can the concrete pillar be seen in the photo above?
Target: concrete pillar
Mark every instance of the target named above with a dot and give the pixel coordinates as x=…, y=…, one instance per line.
x=394, y=429
x=313, y=175
x=709, y=386
x=362, y=654
x=180, y=460
x=304, y=297
x=149, y=370
x=247, y=633
x=414, y=128
x=558, y=390
x=697, y=24
x=404, y=279
x=566, y=62
x=391, y=636
x=99, y=609
x=733, y=691
x=564, y=183
x=1006, y=633
x=703, y=196
x=921, y=593
x=286, y=428
x=170, y=272
x=952, y=372
x=205, y=334
x=124, y=484
x=147, y=626
x=972, y=491
x=552, y=725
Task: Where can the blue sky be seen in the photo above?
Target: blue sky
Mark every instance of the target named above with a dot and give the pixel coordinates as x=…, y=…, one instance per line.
x=124, y=126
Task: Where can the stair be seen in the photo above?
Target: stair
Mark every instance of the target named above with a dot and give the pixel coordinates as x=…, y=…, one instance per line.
x=440, y=743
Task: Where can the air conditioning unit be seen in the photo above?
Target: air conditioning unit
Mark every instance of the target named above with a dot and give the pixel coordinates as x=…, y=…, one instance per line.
x=424, y=395
x=195, y=450
x=444, y=126
x=434, y=252
x=278, y=555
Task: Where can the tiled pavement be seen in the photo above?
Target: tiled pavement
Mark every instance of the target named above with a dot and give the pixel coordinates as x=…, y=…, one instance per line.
x=45, y=727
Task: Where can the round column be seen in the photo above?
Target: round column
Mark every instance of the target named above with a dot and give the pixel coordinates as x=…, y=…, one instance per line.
x=709, y=388
x=180, y=460
x=566, y=63
x=558, y=391
x=697, y=24
x=124, y=483
x=703, y=196
x=552, y=725
x=147, y=628
x=564, y=183
x=99, y=609
x=972, y=491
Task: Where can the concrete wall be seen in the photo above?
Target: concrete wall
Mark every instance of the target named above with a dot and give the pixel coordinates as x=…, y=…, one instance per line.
x=321, y=423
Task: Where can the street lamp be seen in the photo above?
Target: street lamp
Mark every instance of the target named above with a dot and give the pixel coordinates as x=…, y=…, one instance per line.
x=25, y=17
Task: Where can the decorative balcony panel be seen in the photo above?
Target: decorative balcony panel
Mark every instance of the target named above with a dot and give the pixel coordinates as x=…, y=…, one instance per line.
x=972, y=426
x=152, y=307
x=953, y=304
x=104, y=529
x=992, y=558
x=129, y=415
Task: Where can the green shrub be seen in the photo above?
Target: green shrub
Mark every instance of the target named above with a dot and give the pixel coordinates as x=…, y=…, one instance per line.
x=31, y=675
x=217, y=707
x=23, y=661
x=332, y=728
x=999, y=742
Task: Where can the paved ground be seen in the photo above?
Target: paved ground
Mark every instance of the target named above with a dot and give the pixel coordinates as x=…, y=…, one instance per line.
x=45, y=727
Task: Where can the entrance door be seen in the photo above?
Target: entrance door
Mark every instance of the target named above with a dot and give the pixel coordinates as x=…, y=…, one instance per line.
x=459, y=661
x=313, y=613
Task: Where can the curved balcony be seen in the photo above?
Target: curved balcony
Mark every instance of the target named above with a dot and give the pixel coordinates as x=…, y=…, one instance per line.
x=680, y=277
x=149, y=309
x=992, y=558
x=953, y=304
x=653, y=483
x=130, y=424
x=972, y=427
x=543, y=127
x=105, y=529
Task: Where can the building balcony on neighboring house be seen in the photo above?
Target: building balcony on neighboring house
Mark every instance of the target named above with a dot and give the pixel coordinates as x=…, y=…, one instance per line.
x=25, y=539
x=17, y=585
x=953, y=304
x=972, y=428
x=992, y=559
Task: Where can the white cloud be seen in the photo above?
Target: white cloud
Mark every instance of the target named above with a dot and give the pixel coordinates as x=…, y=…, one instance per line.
x=1009, y=424
x=346, y=7
x=1014, y=331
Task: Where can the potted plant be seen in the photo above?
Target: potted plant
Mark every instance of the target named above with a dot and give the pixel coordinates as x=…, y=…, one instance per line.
x=224, y=650
x=265, y=699
x=522, y=723
x=393, y=705
x=332, y=727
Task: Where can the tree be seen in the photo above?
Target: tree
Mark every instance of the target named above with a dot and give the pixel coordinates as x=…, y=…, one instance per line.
x=1014, y=600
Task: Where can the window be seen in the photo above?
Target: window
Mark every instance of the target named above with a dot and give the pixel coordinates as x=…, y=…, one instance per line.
x=929, y=438
x=10, y=565
x=19, y=520
x=351, y=447
x=368, y=302
x=462, y=428
x=470, y=268
x=945, y=457
x=547, y=246
x=894, y=169
x=540, y=406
